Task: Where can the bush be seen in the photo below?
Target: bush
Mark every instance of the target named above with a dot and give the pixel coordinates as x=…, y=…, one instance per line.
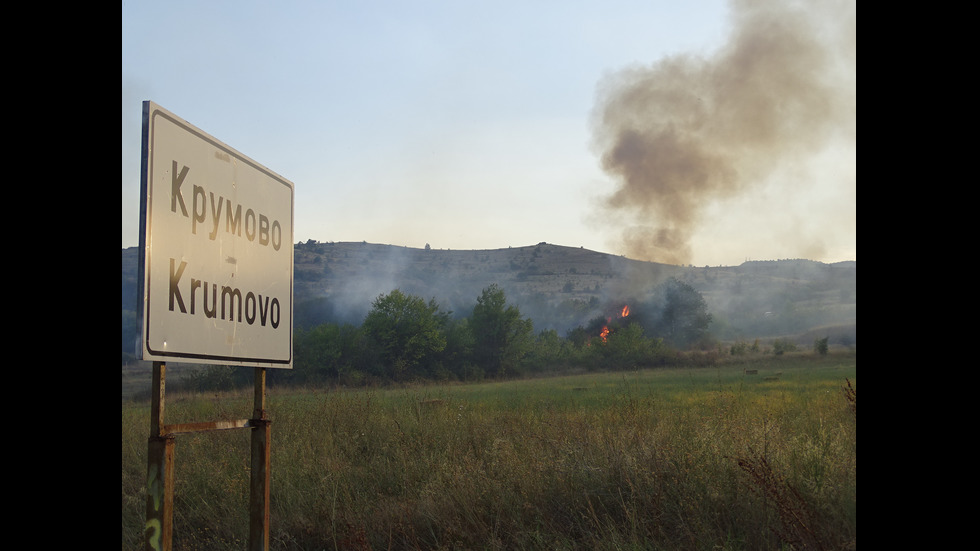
x=820, y=346
x=779, y=346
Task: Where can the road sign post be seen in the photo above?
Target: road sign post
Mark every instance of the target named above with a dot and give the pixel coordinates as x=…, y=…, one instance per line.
x=215, y=287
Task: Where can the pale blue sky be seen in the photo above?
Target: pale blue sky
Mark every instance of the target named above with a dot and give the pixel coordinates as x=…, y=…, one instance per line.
x=464, y=125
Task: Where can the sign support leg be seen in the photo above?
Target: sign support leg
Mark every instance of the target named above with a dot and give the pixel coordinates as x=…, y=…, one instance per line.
x=158, y=530
x=259, y=488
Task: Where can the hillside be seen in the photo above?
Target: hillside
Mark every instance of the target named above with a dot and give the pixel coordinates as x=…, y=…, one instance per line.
x=560, y=287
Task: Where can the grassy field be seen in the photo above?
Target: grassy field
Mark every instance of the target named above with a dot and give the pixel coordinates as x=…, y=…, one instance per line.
x=705, y=458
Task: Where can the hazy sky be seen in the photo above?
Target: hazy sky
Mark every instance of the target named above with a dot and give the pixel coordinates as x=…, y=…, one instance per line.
x=702, y=132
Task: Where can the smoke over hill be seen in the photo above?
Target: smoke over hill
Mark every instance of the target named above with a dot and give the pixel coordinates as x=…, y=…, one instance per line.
x=690, y=131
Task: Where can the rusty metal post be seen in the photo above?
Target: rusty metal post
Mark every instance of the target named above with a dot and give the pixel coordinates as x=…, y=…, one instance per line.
x=259, y=500
x=158, y=530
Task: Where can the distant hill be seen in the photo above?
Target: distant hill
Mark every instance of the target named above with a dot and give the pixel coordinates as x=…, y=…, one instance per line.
x=560, y=287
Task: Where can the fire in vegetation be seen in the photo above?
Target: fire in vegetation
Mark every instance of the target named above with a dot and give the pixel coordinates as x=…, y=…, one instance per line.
x=609, y=320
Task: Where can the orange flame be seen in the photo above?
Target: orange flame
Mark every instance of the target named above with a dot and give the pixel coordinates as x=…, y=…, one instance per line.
x=605, y=328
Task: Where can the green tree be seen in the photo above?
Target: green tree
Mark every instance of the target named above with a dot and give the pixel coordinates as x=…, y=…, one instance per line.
x=549, y=352
x=328, y=352
x=679, y=314
x=455, y=359
x=407, y=332
x=578, y=337
x=628, y=347
x=317, y=351
x=501, y=337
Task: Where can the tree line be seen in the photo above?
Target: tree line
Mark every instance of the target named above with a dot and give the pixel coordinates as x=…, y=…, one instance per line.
x=404, y=338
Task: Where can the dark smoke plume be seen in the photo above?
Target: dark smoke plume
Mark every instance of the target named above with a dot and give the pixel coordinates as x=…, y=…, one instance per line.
x=690, y=130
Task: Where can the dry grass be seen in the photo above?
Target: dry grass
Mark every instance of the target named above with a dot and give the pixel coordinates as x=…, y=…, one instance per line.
x=667, y=459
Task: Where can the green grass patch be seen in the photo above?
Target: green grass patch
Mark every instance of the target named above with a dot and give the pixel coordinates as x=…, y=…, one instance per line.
x=697, y=458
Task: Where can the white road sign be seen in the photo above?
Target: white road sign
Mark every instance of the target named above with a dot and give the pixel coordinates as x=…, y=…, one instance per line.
x=216, y=250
